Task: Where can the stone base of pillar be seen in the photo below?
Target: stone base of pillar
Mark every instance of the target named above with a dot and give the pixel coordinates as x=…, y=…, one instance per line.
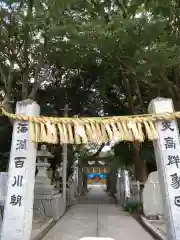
x=49, y=206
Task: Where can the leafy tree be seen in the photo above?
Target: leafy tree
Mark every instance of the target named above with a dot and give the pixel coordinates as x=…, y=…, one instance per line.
x=101, y=57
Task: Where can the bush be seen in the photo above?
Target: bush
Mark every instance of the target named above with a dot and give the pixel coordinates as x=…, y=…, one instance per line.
x=133, y=207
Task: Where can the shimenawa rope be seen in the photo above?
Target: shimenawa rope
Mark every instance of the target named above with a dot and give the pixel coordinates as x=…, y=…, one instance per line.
x=92, y=129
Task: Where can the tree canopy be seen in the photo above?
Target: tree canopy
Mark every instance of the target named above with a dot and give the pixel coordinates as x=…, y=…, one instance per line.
x=108, y=57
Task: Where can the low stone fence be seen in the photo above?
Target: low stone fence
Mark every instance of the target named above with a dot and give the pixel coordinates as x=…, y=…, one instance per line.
x=45, y=205
x=148, y=194
x=71, y=190
x=3, y=189
x=128, y=191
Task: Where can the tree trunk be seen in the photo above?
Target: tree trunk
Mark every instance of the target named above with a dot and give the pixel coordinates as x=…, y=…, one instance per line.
x=8, y=106
x=140, y=165
x=7, y=103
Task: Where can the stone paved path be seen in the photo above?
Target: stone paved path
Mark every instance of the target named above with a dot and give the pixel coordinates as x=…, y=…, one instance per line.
x=97, y=216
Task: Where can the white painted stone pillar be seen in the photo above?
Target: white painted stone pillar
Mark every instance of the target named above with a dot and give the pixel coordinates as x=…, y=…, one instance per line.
x=118, y=190
x=126, y=186
x=122, y=187
x=167, y=152
x=18, y=212
x=75, y=179
x=59, y=178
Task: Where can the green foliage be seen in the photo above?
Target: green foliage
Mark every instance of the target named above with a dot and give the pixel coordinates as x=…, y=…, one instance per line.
x=147, y=152
x=123, y=152
x=103, y=57
x=133, y=207
x=93, y=44
x=124, y=155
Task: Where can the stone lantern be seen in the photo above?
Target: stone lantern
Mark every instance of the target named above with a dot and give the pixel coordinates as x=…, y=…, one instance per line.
x=48, y=202
x=43, y=183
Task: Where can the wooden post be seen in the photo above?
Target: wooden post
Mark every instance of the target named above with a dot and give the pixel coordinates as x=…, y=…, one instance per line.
x=64, y=167
x=18, y=212
x=167, y=152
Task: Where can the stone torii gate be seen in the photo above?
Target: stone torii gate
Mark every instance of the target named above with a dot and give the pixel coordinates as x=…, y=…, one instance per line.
x=28, y=130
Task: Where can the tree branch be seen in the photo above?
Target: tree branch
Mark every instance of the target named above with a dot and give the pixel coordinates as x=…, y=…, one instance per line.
x=122, y=6
x=26, y=52
x=37, y=83
x=96, y=154
x=37, y=79
x=10, y=79
x=7, y=80
x=129, y=92
x=4, y=79
x=11, y=47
